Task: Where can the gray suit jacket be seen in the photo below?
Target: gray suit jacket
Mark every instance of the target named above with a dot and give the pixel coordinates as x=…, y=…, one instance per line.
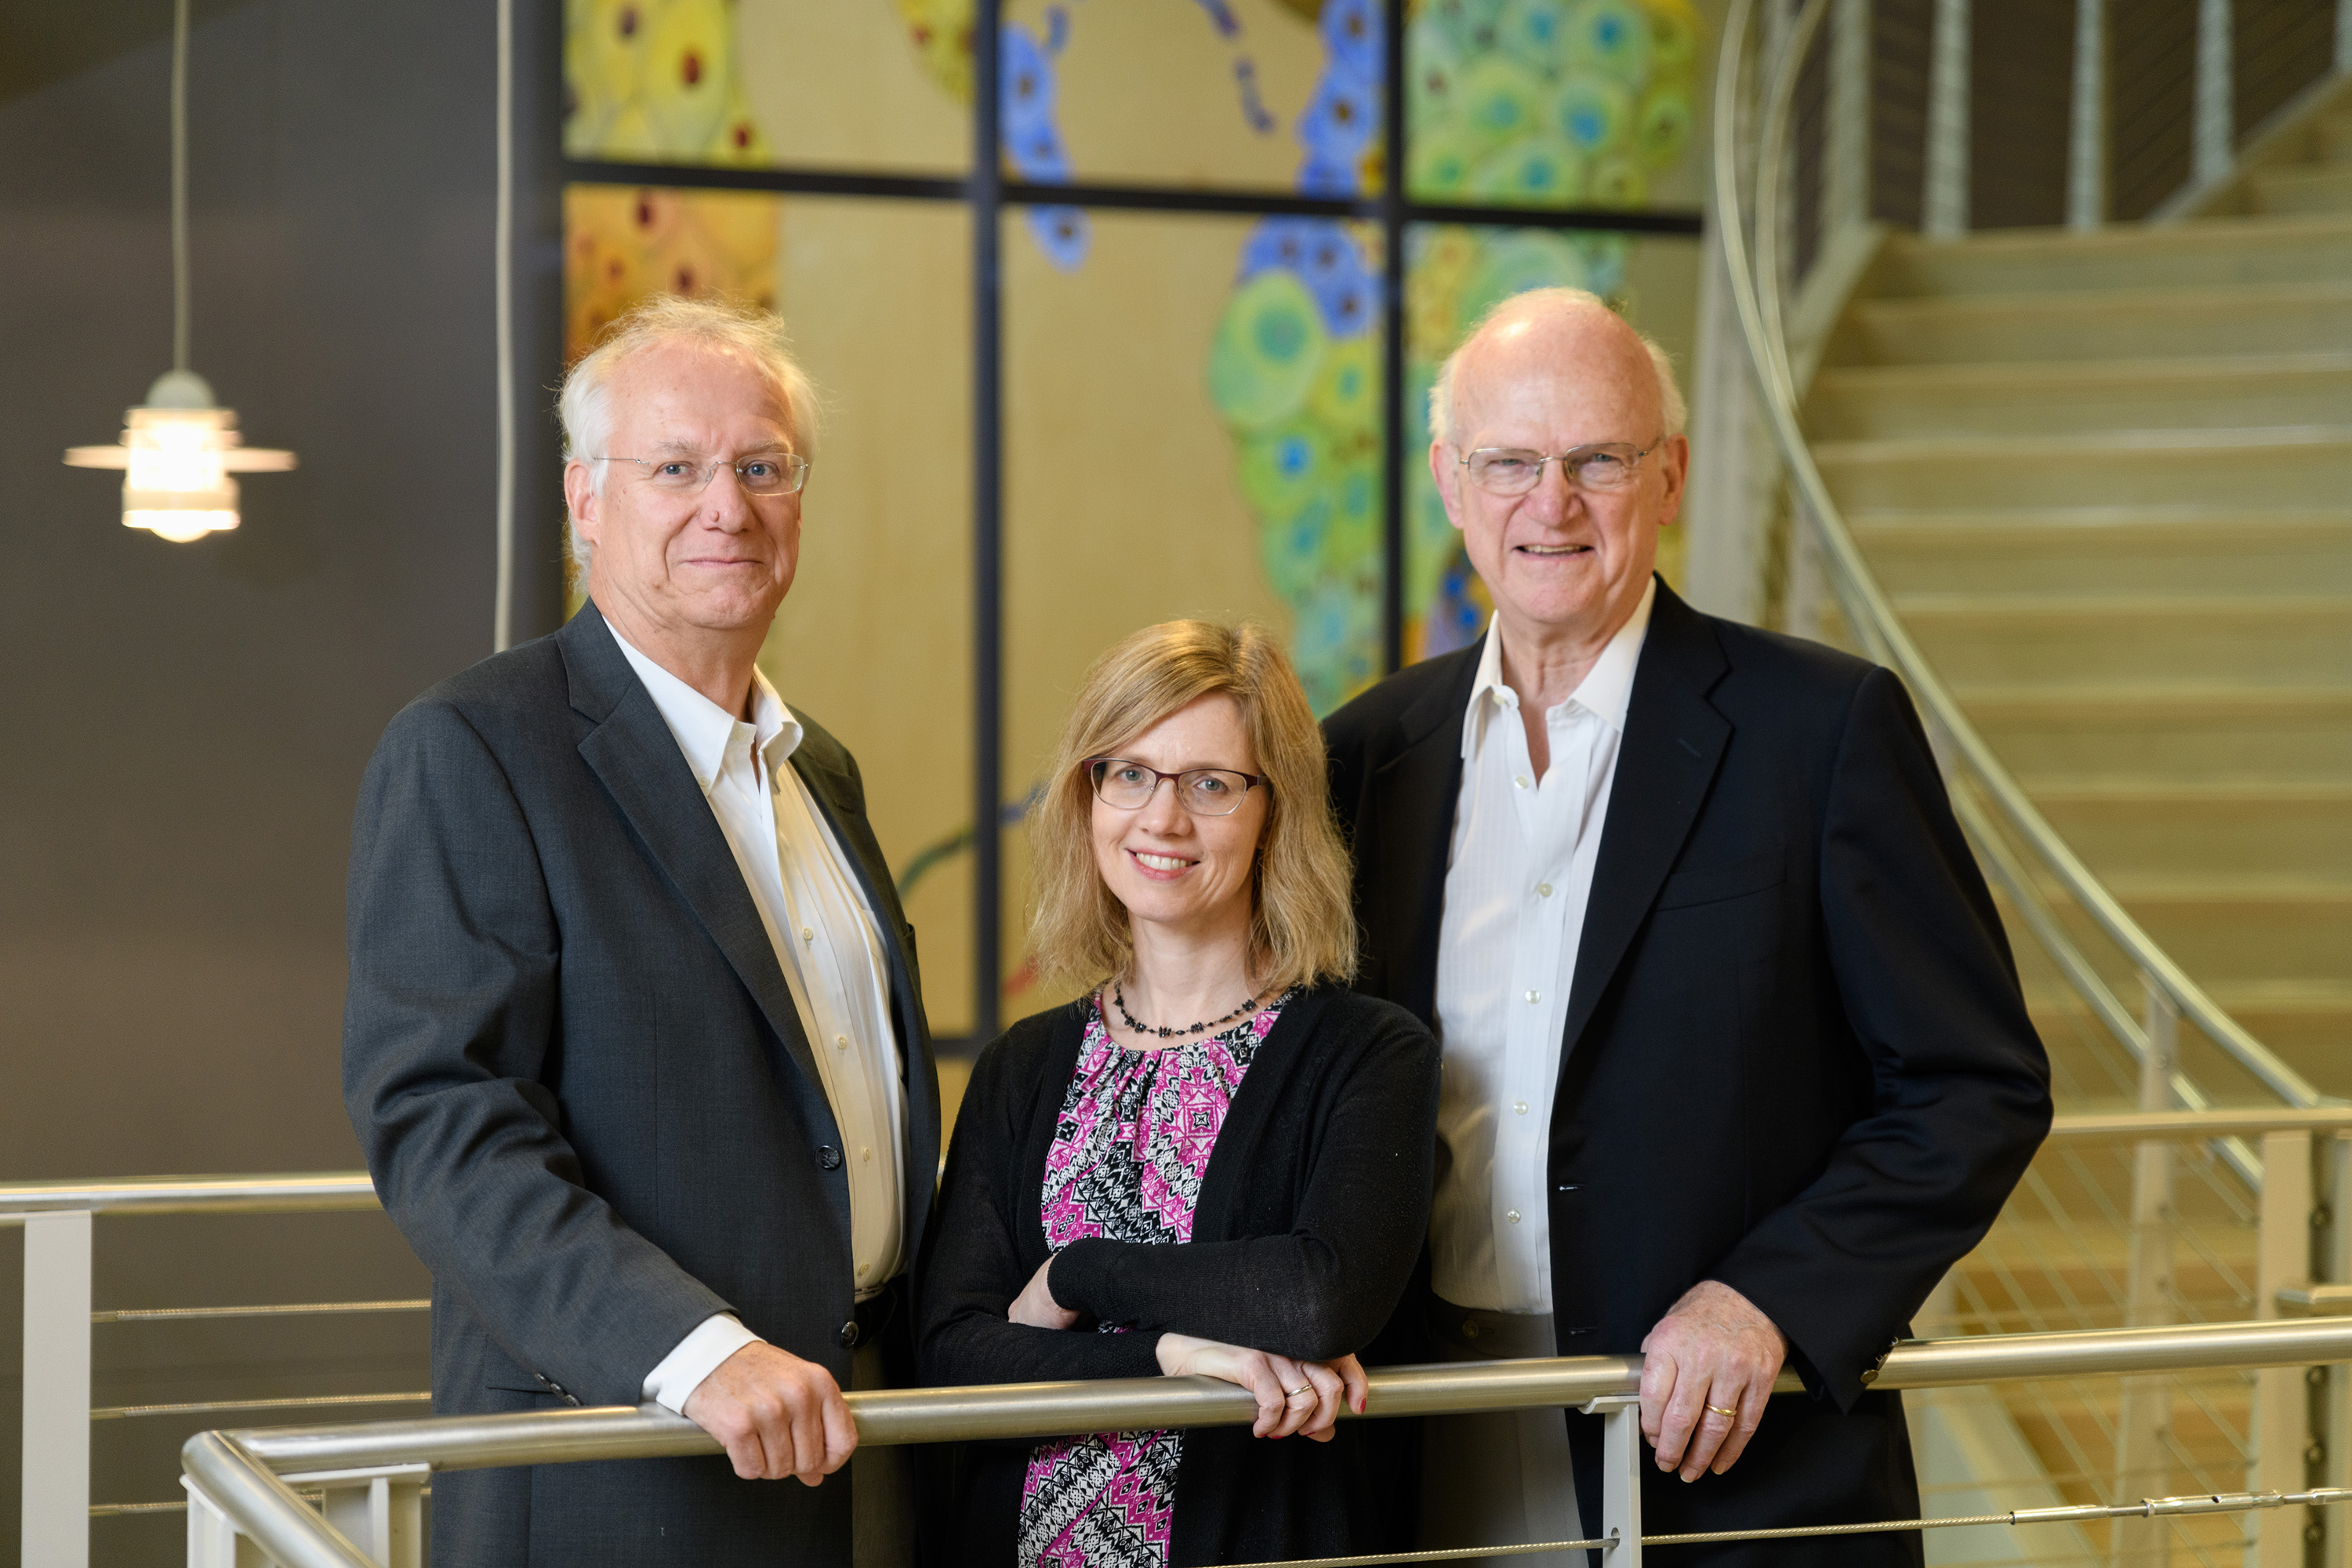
x=587, y=1098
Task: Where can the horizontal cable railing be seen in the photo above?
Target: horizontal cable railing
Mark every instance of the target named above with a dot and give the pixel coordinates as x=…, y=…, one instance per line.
x=1757, y=297
x=59, y=1409
x=248, y=1477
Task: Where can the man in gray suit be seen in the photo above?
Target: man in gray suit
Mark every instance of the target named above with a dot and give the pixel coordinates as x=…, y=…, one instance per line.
x=634, y=1041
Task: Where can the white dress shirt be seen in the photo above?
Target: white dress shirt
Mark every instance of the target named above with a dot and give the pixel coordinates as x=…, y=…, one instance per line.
x=831, y=951
x=1518, y=877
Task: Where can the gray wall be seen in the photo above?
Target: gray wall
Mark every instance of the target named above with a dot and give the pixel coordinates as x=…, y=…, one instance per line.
x=182, y=727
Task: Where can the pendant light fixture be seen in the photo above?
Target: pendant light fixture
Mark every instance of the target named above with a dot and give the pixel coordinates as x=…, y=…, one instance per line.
x=177, y=448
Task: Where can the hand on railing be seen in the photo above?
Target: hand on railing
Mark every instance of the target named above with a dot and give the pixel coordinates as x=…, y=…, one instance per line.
x=1707, y=1368
x=1301, y=1396
x=778, y=1414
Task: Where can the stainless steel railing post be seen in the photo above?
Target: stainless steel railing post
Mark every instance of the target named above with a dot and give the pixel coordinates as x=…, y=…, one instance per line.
x=2144, y=1406
x=1621, y=1477
x=56, y=1509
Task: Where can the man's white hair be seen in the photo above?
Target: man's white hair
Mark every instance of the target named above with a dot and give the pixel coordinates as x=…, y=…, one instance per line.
x=1542, y=301
x=585, y=402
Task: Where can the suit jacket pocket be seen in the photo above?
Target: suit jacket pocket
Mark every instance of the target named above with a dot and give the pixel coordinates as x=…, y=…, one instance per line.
x=500, y=1372
x=1726, y=879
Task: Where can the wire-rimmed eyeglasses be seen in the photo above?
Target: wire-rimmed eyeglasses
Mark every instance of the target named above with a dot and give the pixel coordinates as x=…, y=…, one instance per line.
x=1204, y=792
x=762, y=474
x=1514, y=471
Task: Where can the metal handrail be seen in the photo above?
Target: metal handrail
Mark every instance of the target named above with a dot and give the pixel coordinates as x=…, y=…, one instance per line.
x=242, y=1472
x=195, y=1194
x=2126, y=1126
x=1864, y=603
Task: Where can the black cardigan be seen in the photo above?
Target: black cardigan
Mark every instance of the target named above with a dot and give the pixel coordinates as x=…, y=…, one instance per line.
x=1311, y=1213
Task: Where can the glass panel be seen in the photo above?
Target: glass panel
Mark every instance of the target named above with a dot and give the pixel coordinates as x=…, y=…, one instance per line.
x=1454, y=274
x=1556, y=104
x=853, y=84
x=1191, y=428
x=1261, y=94
x=877, y=299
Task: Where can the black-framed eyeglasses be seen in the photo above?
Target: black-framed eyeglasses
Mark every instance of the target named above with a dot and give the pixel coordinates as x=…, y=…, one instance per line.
x=1204, y=792
x=1514, y=471
x=762, y=474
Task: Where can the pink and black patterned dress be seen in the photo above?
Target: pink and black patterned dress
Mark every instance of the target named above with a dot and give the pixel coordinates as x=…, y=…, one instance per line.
x=1130, y=1148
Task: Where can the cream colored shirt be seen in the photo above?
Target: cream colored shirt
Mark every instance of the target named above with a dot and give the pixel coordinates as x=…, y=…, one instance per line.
x=1518, y=875
x=830, y=948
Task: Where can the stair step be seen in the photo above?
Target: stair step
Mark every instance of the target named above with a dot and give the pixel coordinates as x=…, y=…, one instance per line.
x=2251, y=828
x=2036, y=398
x=2234, y=250
x=2185, y=730
x=1982, y=639
x=2134, y=323
x=2298, y=468
x=2128, y=549
x=2302, y=188
x=2231, y=929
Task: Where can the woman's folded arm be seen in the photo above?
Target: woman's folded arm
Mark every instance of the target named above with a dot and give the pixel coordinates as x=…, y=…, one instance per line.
x=1326, y=1288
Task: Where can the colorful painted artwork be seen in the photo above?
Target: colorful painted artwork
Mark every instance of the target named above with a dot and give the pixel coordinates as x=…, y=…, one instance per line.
x=622, y=243
x=1547, y=103
x=657, y=80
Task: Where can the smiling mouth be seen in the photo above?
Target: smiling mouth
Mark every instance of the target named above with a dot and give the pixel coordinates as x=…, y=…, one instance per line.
x=1160, y=862
x=1553, y=551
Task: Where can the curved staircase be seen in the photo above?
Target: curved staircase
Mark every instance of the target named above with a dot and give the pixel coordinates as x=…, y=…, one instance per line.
x=2106, y=479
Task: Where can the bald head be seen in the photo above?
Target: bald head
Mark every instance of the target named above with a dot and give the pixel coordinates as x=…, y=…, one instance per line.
x=1566, y=549
x=1556, y=333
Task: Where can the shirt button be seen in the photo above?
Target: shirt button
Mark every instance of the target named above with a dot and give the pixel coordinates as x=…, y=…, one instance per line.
x=1520, y=1105
x=1543, y=890
x=808, y=933
x=1520, y=780
x=1535, y=996
x=866, y=1154
x=1511, y=1215
x=863, y=1266
x=840, y=1042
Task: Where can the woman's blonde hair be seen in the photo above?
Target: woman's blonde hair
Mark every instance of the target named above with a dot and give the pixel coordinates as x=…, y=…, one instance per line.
x=1302, y=927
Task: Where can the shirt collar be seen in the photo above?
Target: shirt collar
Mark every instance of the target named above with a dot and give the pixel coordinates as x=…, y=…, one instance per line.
x=1606, y=693
x=705, y=731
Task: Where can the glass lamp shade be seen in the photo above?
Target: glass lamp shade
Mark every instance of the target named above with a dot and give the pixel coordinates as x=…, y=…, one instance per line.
x=177, y=452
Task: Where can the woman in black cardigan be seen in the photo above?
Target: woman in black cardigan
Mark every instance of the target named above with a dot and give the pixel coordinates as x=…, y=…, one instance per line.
x=1185, y=850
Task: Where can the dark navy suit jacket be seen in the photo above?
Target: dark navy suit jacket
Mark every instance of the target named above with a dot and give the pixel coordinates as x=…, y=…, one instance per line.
x=586, y=1096
x=1796, y=1057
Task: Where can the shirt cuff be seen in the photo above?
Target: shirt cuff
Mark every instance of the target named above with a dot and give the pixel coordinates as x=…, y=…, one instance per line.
x=698, y=1356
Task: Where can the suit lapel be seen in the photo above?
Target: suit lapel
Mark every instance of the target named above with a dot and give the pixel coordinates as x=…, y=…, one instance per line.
x=632, y=753
x=1674, y=742
x=1413, y=798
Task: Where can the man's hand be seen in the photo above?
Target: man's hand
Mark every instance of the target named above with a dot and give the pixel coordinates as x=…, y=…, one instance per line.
x=1713, y=1352
x=1036, y=1305
x=1302, y=1396
x=778, y=1414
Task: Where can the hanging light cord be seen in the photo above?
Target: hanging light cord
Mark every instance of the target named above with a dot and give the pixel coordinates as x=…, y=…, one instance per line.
x=180, y=185
x=502, y=613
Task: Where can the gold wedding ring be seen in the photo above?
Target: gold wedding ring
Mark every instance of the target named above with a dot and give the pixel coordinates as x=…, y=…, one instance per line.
x=1719, y=1410
x=1302, y=1388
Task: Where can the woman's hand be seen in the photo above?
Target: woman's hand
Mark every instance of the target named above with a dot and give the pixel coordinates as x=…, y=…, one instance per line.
x=1301, y=1396
x=1036, y=1305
